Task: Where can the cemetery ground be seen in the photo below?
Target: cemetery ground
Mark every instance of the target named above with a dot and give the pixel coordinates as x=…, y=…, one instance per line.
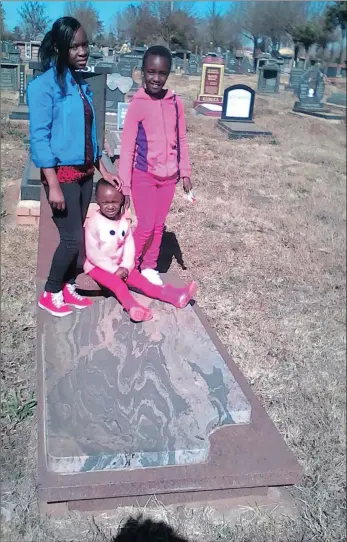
x=266, y=243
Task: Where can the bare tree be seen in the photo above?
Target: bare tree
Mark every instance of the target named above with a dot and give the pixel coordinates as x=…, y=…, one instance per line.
x=87, y=15
x=34, y=19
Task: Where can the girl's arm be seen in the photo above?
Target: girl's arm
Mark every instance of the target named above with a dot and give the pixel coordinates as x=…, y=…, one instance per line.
x=93, y=248
x=127, y=150
x=185, y=167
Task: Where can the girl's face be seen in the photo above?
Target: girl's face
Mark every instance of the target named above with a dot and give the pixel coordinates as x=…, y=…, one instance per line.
x=156, y=72
x=110, y=201
x=79, y=50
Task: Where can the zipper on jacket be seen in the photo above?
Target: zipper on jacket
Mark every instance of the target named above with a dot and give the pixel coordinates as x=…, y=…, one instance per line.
x=163, y=117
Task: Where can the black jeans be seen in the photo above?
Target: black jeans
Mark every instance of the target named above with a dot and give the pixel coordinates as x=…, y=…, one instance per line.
x=69, y=256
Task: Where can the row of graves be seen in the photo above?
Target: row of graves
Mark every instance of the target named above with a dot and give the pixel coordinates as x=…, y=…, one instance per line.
x=128, y=411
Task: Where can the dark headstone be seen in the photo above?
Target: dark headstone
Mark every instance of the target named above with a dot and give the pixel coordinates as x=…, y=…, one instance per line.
x=104, y=66
x=301, y=63
x=125, y=67
x=113, y=98
x=21, y=84
x=8, y=75
x=135, y=58
x=230, y=63
x=269, y=79
x=193, y=65
x=246, y=65
x=343, y=73
x=238, y=103
x=338, y=98
x=295, y=78
x=332, y=71
x=117, y=88
x=94, y=58
x=311, y=90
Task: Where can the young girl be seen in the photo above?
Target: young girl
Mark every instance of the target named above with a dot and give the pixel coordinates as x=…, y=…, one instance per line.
x=153, y=157
x=64, y=145
x=110, y=261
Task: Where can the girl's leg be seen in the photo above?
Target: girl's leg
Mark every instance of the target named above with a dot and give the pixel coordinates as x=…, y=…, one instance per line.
x=86, y=187
x=120, y=290
x=164, y=194
x=179, y=297
x=69, y=224
x=143, y=192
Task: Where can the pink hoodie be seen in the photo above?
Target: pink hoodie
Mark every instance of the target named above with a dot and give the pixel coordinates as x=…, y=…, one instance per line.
x=109, y=244
x=149, y=139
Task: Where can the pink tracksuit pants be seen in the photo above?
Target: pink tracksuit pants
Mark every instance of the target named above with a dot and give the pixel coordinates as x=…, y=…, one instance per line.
x=152, y=201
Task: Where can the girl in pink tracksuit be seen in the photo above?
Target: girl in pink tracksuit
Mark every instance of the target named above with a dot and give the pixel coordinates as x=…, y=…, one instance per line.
x=153, y=157
x=110, y=257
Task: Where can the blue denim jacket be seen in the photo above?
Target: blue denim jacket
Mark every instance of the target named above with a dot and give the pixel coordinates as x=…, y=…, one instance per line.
x=57, y=122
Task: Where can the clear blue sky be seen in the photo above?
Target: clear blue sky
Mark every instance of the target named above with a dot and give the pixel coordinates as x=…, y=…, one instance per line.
x=107, y=10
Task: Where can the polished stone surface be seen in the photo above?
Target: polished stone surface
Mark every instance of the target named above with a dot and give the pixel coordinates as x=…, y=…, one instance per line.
x=121, y=395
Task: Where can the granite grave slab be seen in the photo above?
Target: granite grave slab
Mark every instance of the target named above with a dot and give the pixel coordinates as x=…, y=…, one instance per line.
x=126, y=411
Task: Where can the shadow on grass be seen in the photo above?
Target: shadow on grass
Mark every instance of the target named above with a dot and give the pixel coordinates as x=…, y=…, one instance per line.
x=140, y=530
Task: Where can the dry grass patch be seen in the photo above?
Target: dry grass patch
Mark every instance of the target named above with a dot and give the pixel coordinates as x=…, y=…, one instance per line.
x=266, y=241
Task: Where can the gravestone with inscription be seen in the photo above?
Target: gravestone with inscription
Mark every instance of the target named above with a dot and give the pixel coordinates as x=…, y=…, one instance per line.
x=210, y=98
x=311, y=93
x=106, y=66
x=269, y=78
x=230, y=63
x=21, y=112
x=193, y=65
x=237, y=113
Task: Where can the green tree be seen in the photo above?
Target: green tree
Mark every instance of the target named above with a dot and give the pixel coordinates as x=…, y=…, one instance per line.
x=34, y=19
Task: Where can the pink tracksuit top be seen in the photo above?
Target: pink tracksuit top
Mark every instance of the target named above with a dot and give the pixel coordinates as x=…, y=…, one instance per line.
x=109, y=244
x=149, y=139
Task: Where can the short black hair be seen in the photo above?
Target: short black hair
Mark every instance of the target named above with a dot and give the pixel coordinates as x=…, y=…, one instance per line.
x=157, y=50
x=102, y=183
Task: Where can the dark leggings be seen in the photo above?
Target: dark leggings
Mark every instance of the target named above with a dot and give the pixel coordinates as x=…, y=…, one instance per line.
x=69, y=256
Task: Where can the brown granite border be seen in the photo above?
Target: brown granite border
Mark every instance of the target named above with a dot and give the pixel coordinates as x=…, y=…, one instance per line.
x=244, y=456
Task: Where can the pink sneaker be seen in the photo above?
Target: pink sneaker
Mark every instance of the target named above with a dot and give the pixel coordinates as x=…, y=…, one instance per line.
x=71, y=297
x=54, y=304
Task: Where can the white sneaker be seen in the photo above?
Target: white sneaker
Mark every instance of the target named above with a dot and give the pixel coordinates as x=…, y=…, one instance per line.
x=152, y=276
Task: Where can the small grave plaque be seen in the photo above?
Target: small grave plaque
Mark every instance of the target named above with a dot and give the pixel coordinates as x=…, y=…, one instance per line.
x=121, y=113
x=269, y=79
x=238, y=103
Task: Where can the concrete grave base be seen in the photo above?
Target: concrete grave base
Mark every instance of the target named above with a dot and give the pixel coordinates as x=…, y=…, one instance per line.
x=127, y=411
x=21, y=112
x=209, y=110
x=321, y=113
x=242, y=130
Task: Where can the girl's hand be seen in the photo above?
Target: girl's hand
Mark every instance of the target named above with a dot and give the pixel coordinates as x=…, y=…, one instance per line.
x=113, y=179
x=56, y=198
x=122, y=273
x=126, y=202
x=187, y=184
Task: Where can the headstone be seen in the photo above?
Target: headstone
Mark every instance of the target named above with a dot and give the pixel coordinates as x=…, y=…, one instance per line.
x=8, y=75
x=311, y=93
x=238, y=103
x=246, y=65
x=332, y=71
x=193, y=65
x=337, y=98
x=106, y=66
x=269, y=79
x=237, y=113
x=301, y=63
x=117, y=87
x=230, y=62
x=125, y=67
x=135, y=58
x=294, y=79
x=121, y=113
x=211, y=86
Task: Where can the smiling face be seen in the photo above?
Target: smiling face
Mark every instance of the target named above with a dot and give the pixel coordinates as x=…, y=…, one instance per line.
x=156, y=72
x=110, y=201
x=79, y=50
